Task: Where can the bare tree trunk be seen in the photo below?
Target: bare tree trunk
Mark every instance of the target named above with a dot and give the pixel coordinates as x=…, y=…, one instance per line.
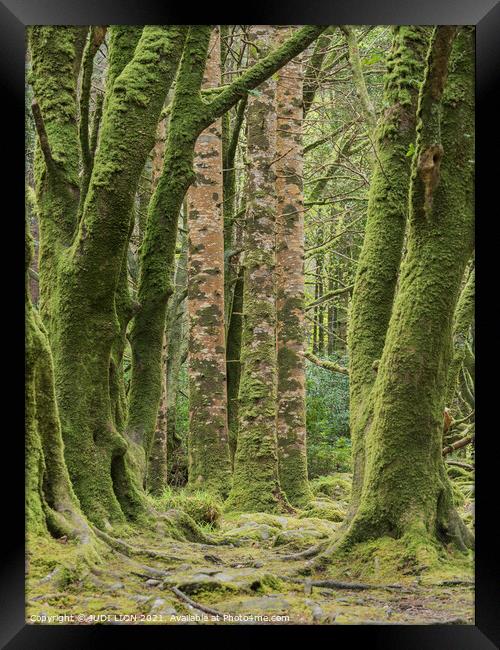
x=256, y=478
x=156, y=476
x=209, y=464
x=291, y=418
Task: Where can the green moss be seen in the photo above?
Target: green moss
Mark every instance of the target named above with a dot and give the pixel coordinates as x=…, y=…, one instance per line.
x=380, y=256
x=336, y=486
x=406, y=486
x=79, y=281
x=266, y=584
x=324, y=509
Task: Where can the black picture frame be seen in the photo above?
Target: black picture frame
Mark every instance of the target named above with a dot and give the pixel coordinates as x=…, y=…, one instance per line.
x=15, y=15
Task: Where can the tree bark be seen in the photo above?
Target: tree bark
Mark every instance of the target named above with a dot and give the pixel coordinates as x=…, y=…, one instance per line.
x=83, y=261
x=209, y=463
x=291, y=387
x=406, y=491
x=256, y=485
x=380, y=256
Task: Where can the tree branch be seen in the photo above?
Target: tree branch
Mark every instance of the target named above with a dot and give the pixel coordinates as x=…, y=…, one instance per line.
x=261, y=71
x=358, y=77
x=458, y=444
x=42, y=134
x=327, y=365
x=329, y=295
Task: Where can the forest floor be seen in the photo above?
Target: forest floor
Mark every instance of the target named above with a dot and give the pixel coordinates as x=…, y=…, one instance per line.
x=247, y=571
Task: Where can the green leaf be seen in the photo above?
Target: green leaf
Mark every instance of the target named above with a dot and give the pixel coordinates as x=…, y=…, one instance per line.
x=411, y=150
x=370, y=60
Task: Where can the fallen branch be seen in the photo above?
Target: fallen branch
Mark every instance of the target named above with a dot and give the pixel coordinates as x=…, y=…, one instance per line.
x=457, y=463
x=334, y=584
x=327, y=365
x=458, y=444
x=189, y=601
x=354, y=586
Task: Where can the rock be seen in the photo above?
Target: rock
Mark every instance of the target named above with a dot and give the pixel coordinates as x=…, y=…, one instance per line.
x=252, y=531
x=139, y=598
x=261, y=604
x=317, y=612
x=324, y=509
x=160, y=608
x=151, y=582
x=300, y=538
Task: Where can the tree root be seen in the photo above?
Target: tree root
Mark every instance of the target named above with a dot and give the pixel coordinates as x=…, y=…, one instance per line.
x=130, y=549
x=302, y=555
x=354, y=586
x=189, y=601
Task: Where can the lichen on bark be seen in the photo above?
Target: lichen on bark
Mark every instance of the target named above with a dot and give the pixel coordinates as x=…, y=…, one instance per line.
x=256, y=484
x=208, y=451
x=291, y=424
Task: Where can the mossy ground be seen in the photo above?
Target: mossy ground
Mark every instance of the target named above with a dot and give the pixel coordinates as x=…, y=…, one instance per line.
x=242, y=569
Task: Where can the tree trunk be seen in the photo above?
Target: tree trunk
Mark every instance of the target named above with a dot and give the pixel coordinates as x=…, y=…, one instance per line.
x=209, y=462
x=291, y=388
x=51, y=505
x=190, y=114
x=406, y=491
x=380, y=256
x=156, y=472
x=256, y=485
x=464, y=317
x=233, y=364
x=84, y=259
x=177, y=327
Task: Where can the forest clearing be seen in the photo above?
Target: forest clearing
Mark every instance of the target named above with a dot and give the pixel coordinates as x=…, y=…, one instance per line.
x=250, y=324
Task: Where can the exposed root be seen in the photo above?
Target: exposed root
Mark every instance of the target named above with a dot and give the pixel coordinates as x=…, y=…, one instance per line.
x=189, y=601
x=353, y=586
x=129, y=549
x=302, y=555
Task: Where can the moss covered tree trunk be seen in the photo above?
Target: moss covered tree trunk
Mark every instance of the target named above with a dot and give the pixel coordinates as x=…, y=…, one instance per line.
x=209, y=463
x=158, y=248
x=380, y=256
x=406, y=492
x=291, y=388
x=462, y=323
x=256, y=485
x=83, y=259
x=51, y=505
x=177, y=327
